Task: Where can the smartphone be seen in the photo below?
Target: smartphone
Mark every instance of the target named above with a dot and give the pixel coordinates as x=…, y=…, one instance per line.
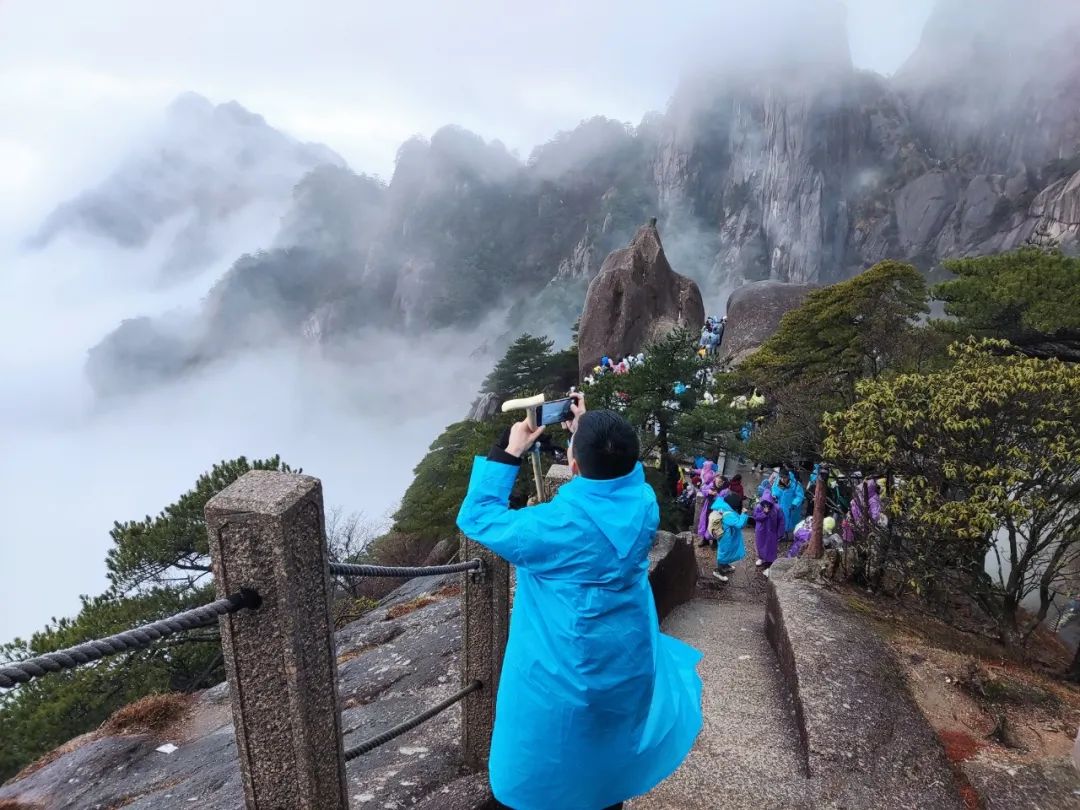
x=554, y=412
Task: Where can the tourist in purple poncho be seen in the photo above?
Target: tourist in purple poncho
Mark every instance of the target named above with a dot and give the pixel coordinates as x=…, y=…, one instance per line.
x=871, y=496
x=707, y=492
x=859, y=522
x=801, y=536
x=768, y=529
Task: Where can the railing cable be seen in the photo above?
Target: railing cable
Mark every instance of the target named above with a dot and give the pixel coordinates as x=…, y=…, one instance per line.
x=349, y=570
x=137, y=638
x=410, y=724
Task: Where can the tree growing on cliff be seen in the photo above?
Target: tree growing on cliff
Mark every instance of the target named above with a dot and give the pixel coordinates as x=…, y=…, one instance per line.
x=986, y=458
x=172, y=549
x=861, y=328
x=429, y=507
x=531, y=366
x=157, y=566
x=1030, y=297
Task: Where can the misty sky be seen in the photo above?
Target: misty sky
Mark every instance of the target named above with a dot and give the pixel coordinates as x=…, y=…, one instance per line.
x=81, y=82
x=78, y=78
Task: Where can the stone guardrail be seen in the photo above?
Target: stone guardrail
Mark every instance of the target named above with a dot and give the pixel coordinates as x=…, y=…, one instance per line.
x=267, y=533
x=864, y=741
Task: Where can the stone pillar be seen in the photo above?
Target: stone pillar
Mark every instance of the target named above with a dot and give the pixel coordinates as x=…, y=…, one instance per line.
x=486, y=626
x=267, y=533
x=557, y=475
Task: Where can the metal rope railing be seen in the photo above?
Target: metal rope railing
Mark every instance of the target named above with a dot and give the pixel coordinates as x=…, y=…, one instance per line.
x=137, y=638
x=349, y=570
x=410, y=724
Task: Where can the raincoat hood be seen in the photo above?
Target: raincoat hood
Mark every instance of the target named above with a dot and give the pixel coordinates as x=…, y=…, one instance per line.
x=617, y=507
x=720, y=505
x=766, y=497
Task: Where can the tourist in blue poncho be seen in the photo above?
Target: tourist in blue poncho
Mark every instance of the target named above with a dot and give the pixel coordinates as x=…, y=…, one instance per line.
x=595, y=705
x=726, y=522
x=788, y=494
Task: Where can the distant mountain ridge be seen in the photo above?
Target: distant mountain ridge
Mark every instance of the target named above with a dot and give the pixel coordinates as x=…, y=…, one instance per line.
x=202, y=165
x=806, y=171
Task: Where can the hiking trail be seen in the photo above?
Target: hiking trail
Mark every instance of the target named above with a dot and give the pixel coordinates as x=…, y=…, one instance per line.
x=747, y=754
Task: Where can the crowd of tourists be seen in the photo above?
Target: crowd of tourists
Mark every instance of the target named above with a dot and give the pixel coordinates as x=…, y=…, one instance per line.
x=782, y=512
x=711, y=335
x=609, y=366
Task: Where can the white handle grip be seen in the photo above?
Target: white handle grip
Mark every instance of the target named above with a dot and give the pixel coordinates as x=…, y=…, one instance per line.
x=524, y=402
x=527, y=404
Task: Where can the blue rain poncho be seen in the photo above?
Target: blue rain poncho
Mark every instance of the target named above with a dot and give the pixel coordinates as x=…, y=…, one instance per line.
x=595, y=704
x=791, y=501
x=729, y=540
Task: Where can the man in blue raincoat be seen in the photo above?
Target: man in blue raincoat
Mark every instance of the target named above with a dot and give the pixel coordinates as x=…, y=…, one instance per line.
x=788, y=494
x=595, y=704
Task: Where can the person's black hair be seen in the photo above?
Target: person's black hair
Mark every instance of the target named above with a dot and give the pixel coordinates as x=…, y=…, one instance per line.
x=733, y=500
x=737, y=477
x=605, y=445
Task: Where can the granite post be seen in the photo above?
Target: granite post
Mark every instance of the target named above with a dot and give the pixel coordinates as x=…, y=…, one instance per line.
x=486, y=619
x=267, y=533
x=557, y=475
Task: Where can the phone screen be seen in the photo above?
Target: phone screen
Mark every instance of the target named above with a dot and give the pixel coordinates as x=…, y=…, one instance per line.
x=554, y=412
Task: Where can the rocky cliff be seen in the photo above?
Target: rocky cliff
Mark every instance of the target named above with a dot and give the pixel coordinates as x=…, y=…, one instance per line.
x=754, y=312
x=635, y=298
x=402, y=655
x=398, y=658
x=799, y=169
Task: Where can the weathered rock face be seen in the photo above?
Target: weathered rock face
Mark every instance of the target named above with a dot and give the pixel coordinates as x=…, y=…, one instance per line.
x=754, y=312
x=636, y=297
x=802, y=171
x=993, y=85
x=387, y=669
x=484, y=408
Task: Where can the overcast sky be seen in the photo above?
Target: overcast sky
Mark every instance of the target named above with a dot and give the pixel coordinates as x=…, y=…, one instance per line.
x=78, y=78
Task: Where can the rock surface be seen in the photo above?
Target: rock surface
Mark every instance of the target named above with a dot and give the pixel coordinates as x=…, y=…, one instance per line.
x=672, y=571
x=387, y=668
x=635, y=298
x=865, y=742
x=396, y=659
x=754, y=312
x=806, y=171
x=483, y=408
x=1032, y=786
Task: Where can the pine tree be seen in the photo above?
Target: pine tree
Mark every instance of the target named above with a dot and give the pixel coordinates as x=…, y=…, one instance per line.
x=524, y=369
x=157, y=566
x=1030, y=297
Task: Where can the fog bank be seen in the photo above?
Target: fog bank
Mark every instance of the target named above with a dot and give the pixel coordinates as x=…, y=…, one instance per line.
x=360, y=420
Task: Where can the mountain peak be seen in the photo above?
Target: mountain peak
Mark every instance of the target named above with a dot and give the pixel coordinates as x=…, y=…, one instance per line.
x=203, y=166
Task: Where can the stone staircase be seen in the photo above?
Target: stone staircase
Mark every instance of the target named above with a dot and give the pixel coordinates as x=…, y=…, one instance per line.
x=747, y=755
